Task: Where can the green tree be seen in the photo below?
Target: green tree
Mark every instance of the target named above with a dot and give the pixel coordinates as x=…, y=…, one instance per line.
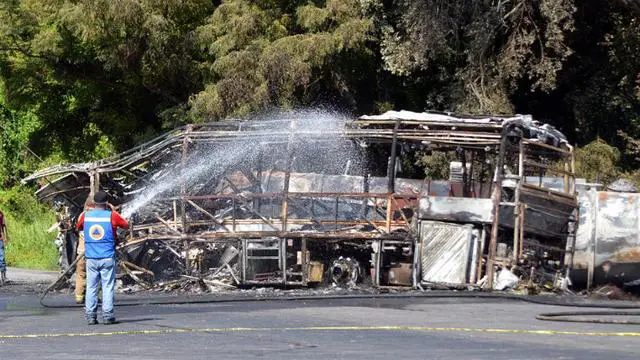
x=15, y=161
x=97, y=74
x=81, y=79
x=483, y=50
x=598, y=161
x=260, y=55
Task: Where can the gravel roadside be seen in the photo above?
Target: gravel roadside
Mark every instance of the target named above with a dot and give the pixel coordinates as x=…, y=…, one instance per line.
x=27, y=281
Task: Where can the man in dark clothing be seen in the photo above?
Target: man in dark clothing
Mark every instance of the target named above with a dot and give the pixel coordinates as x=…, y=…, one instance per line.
x=3, y=240
x=99, y=226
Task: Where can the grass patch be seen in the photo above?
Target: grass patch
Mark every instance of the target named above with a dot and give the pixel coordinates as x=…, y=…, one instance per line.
x=29, y=245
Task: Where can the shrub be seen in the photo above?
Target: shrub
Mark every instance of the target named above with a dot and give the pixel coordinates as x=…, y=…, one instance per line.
x=29, y=245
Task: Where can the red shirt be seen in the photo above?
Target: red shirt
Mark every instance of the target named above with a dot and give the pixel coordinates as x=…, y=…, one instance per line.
x=116, y=221
x=1, y=226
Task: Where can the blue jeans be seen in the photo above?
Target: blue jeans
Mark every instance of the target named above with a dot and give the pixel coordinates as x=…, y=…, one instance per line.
x=3, y=263
x=100, y=270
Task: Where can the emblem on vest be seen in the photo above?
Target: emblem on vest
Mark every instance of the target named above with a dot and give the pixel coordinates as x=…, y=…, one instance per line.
x=96, y=232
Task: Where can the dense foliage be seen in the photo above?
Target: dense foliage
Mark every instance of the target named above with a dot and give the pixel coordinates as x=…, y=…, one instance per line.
x=29, y=243
x=80, y=79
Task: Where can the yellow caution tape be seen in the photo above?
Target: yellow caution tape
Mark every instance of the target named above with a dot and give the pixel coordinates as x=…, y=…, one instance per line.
x=320, y=328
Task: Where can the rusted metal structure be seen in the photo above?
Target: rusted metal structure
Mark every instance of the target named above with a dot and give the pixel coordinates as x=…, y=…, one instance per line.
x=269, y=214
x=607, y=248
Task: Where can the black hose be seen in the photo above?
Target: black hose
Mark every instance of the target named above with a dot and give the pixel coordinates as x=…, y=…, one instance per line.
x=578, y=316
x=559, y=316
x=203, y=299
x=69, y=271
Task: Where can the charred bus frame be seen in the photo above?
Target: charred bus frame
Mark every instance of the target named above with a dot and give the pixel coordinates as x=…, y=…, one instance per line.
x=491, y=206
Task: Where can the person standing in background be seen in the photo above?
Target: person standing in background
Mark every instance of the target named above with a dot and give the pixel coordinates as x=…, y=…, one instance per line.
x=3, y=241
x=81, y=265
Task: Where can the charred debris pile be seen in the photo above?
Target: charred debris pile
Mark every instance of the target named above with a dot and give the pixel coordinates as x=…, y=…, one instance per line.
x=312, y=198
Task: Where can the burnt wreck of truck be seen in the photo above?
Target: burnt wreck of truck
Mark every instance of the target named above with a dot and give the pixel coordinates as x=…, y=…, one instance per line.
x=305, y=199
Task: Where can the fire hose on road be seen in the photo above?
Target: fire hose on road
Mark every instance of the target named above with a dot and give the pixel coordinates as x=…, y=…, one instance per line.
x=347, y=274
x=576, y=316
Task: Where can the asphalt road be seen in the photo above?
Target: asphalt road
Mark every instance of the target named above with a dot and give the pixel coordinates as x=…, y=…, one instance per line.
x=326, y=329
x=17, y=275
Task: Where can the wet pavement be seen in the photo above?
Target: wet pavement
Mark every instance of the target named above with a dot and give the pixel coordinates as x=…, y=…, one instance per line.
x=383, y=328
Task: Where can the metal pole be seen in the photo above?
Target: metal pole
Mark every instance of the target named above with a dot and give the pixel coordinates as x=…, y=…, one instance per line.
x=285, y=200
x=389, y=211
x=523, y=214
x=183, y=194
x=567, y=168
x=303, y=260
x=378, y=262
x=572, y=165
x=463, y=161
x=573, y=235
x=244, y=259
x=594, y=239
x=391, y=169
x=257, y=201
x=337, y=208
x=517, y=209
x=497, y=198
x=287, y=179
x=175, y=215
x=483, y=238
x=417, y=251
x=283, y=256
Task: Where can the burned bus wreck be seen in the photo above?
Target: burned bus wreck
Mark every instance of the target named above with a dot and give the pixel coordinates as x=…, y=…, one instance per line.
x=306, y=199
